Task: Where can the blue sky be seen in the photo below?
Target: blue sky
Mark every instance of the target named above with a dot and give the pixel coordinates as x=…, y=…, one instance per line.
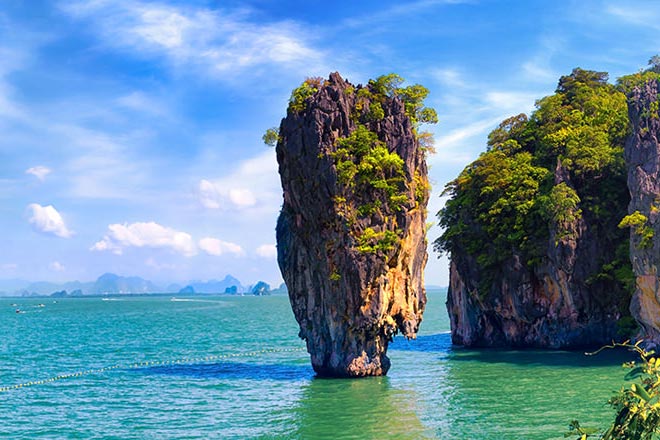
x=130, y=132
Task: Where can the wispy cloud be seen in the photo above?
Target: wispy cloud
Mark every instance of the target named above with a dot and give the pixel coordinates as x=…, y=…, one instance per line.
x=56, y=266
x=401, y=10
x=267, y=251
x=151, y=262
x=449, y=77
x=101, y=164
x=253, y=185
x=14, y=56
x=223, y=43
x=642, y=15
x=145, y=234
x=142, y=103
x=510, y=101
x=40, y=172
x=539, y=68
x=48, y=220
x=216, y=247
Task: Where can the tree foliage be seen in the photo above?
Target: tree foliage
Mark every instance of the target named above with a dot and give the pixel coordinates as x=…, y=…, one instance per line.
x=371, y=178
x=628, y=82
x=271, y=137
x=638, y=222
x=413, y=96
x=300, y=94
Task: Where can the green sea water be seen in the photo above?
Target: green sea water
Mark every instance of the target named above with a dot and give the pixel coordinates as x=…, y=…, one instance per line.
x=433, y=390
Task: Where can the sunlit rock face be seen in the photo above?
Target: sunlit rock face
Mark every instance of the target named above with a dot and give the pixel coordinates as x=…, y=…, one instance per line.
x=642, y=153
x=351, y=257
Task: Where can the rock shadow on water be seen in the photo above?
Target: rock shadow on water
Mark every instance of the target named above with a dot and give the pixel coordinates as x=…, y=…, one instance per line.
x=542, y=357
x=234, y=370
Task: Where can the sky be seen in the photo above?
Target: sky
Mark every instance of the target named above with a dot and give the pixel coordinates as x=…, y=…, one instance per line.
x=130, y=131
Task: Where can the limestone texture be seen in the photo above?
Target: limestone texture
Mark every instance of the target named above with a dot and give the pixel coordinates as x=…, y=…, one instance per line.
x=554, y=305
x=642, y=154
x=352, y=259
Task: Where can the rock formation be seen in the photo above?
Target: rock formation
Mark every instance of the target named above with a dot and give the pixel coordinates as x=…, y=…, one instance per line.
x=553, y=305
x=536, y=257
x=642, y=154
x=351, y=234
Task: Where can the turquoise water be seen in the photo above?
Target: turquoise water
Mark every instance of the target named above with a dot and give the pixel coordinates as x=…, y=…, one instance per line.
x=432, y=391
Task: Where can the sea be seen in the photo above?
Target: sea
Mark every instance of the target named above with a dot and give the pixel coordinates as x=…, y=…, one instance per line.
x=232, y=367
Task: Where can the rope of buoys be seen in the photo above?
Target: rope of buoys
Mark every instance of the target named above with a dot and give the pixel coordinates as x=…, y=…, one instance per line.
x=143, y=364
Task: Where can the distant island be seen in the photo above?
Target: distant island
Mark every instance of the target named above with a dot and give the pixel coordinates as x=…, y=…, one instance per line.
x=113, y=284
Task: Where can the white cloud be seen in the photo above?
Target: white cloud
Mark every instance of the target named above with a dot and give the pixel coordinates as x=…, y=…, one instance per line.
x=40, y=172
x=458, y=136
x=104, y=165
x=520, y=102
x=539, y=67
x=538, y=71
x=635, y=14
x=145, y=234
x=219, y=41
x=267, y=251
x=242, y=197
x=56, y=266
x=213, y=246
x=209, y=195
x=451, y=78
x=215, y=196
x=8, y=266
x=395, y=13
x=46, y=219
x=141, y=102
x=151, y=262
x=228, y=192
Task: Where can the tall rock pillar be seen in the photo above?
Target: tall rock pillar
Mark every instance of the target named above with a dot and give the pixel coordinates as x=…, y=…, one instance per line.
x=351, y=234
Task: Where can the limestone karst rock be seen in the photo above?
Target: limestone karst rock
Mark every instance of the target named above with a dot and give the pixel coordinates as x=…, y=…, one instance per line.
x=351, y=234
x=642, y=154
x=537, y=259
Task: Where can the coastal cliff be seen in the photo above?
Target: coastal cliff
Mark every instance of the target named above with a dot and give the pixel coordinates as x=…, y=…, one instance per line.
x=642, y=154
x=537, y=259
x=351, y=234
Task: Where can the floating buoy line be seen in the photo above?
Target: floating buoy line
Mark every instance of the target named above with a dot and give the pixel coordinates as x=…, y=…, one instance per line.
x=181, y=361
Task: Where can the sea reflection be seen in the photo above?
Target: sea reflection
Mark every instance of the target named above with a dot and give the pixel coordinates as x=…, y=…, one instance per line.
x=368, y=408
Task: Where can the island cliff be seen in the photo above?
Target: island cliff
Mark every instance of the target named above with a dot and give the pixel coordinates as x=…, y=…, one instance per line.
x=643, y=164
x=351, y=234
x=537, y=259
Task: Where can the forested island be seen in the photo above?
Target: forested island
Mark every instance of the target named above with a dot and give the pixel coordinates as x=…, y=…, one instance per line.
x=553, y=234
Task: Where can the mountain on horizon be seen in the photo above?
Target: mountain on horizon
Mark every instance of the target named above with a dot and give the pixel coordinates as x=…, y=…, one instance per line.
x=216, y=286
x=110, y=283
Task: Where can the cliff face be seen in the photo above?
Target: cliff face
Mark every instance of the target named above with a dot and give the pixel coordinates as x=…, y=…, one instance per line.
x=642, y=154
x=556, y=304
x=351, y=233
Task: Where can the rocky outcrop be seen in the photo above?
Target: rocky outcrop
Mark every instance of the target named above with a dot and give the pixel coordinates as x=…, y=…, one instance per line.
x=642, y=154
x=532, y=225
x=351, y=234
x=555, y=304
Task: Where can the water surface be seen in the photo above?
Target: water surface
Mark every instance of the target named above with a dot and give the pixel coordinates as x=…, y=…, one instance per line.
x=432, y=391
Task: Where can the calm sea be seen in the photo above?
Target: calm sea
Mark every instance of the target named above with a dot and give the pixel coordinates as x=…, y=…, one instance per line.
x=247, y=390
